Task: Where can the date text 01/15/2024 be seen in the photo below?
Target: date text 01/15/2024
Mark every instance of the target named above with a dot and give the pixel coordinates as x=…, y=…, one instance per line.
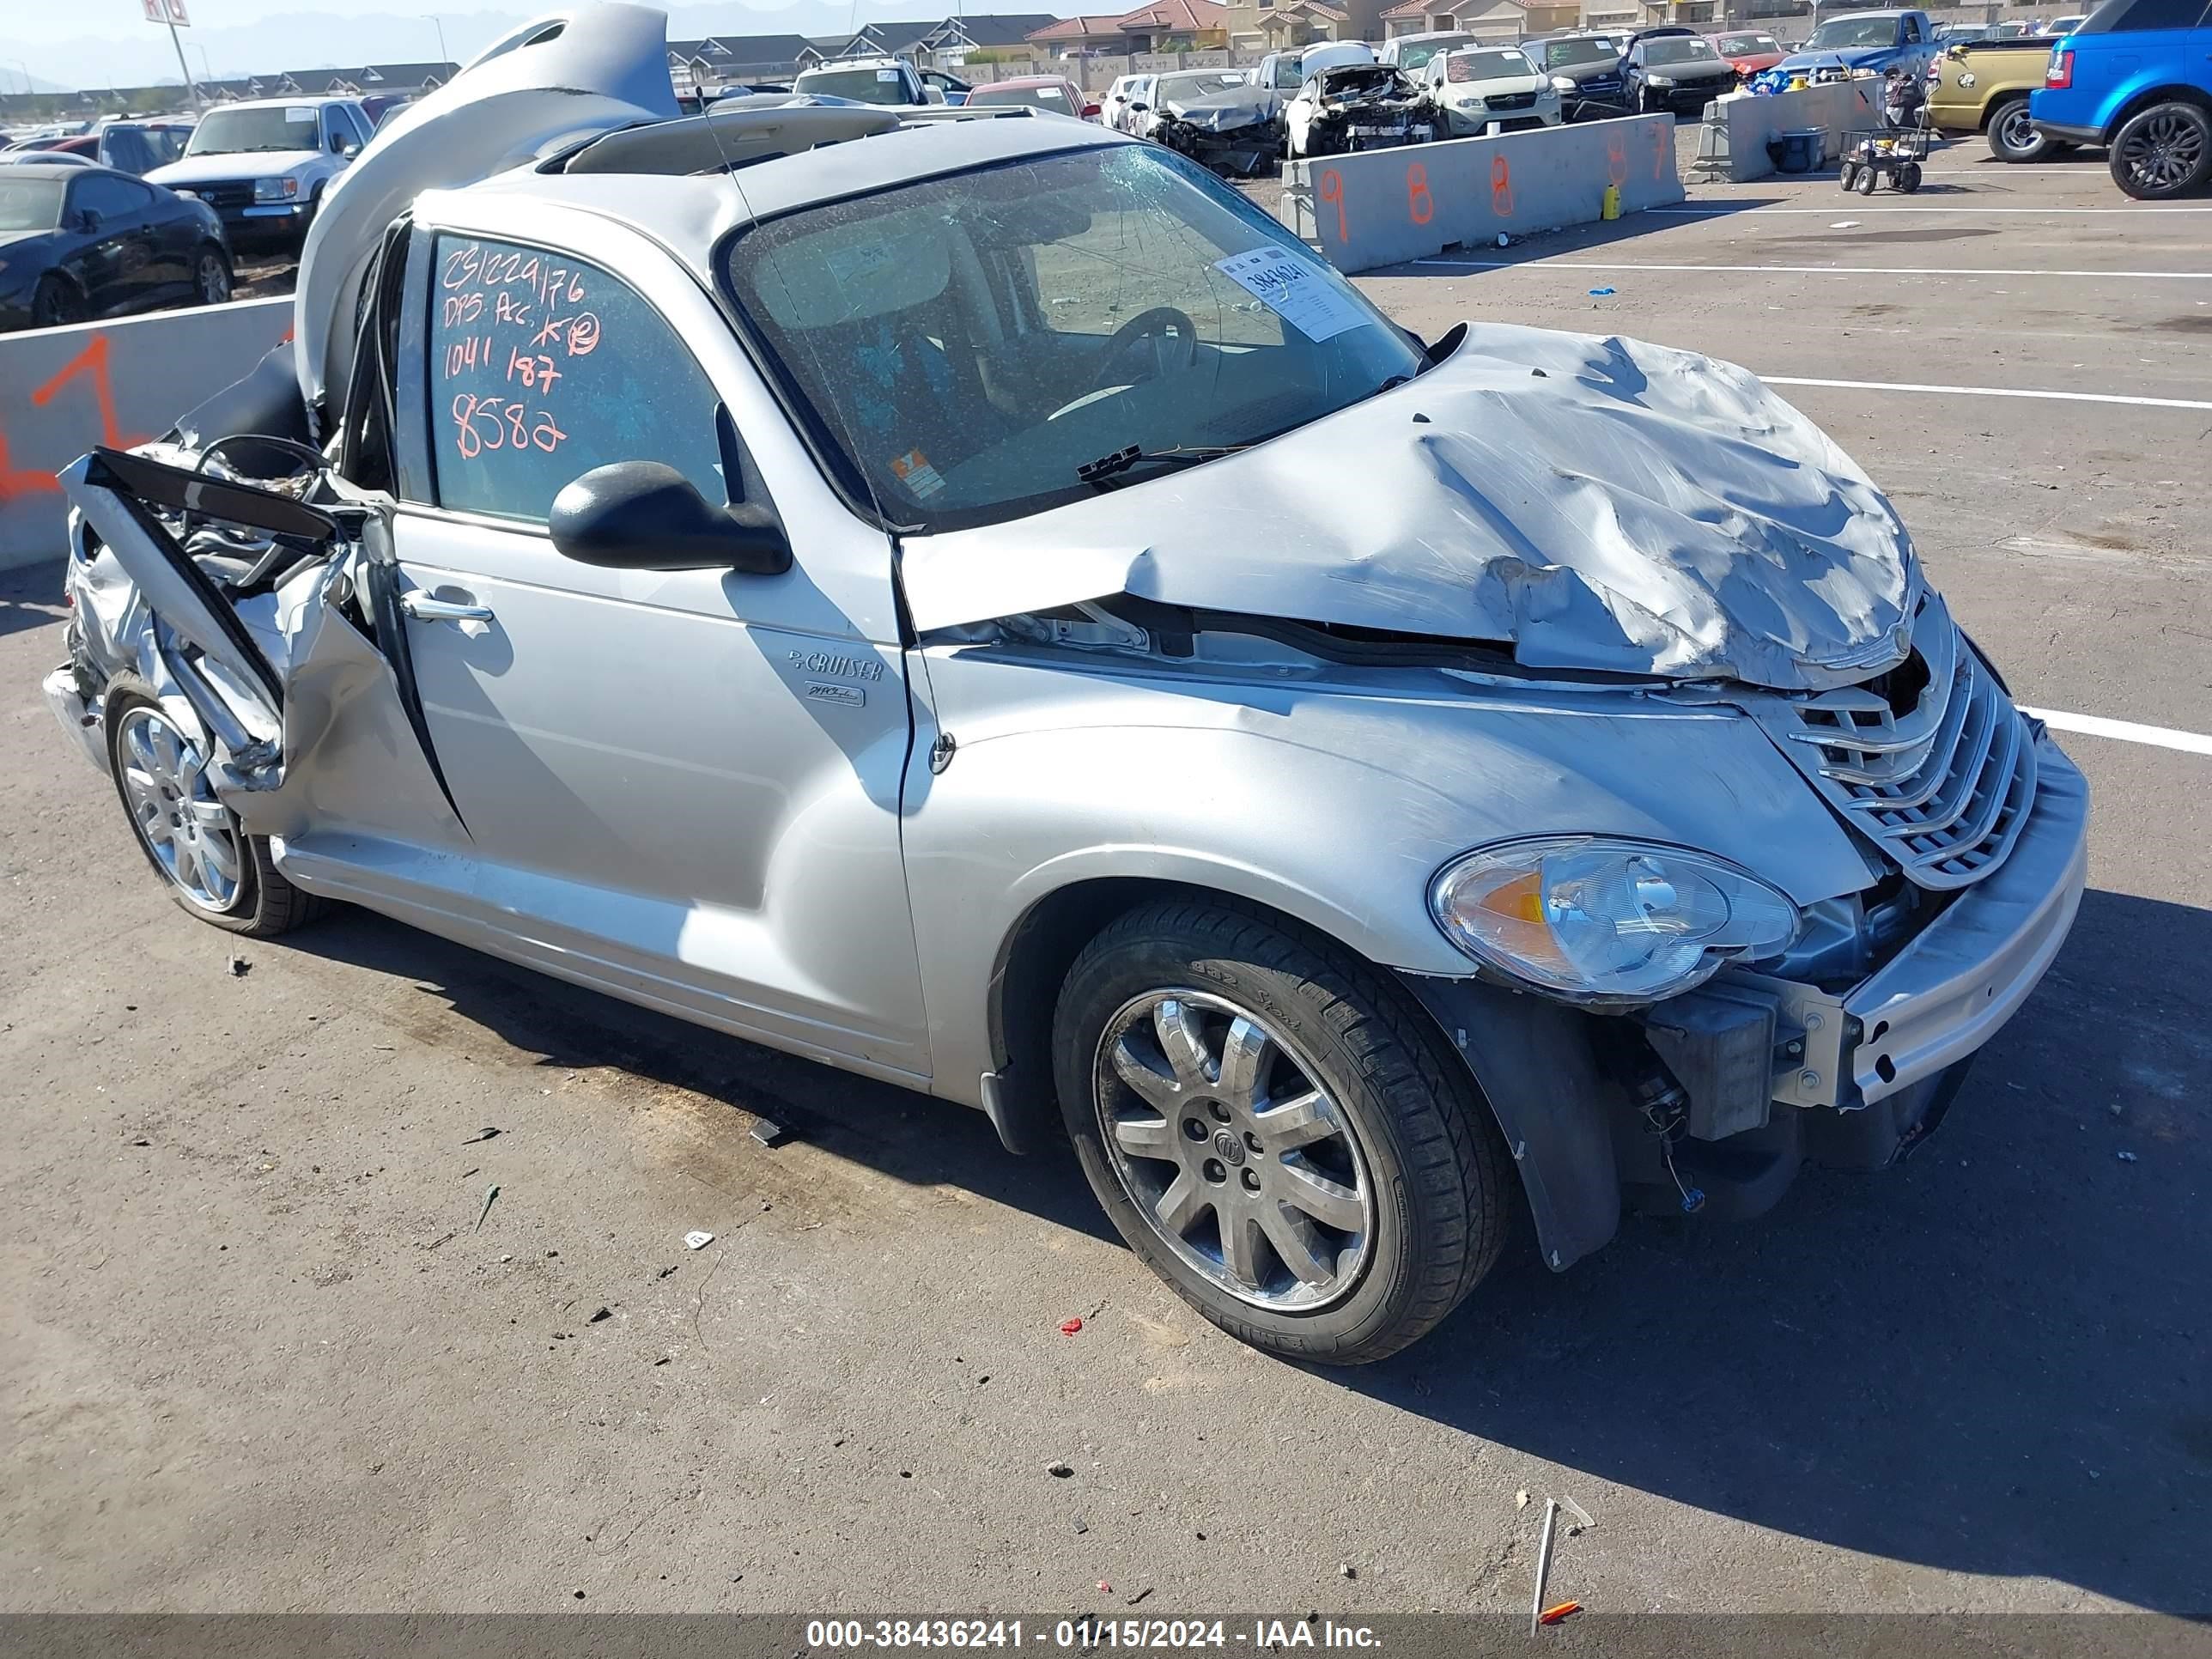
x=1150, y=1635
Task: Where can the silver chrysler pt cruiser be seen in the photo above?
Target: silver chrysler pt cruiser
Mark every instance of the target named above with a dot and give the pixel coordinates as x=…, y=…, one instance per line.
x=962, y=597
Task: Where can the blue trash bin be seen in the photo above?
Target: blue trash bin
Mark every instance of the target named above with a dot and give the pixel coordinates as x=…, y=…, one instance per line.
x=1798, y=151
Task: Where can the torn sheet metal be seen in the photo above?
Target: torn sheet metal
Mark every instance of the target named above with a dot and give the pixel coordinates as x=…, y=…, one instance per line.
x=1598, y=503
x=559, y=78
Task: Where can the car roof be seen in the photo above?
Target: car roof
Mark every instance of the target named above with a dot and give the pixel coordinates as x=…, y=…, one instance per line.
x=1027, y=80
x=282, y=103
x=77, y=169
x=689, y=214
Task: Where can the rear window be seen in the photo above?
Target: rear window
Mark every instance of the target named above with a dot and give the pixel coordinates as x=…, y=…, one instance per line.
x=29, y=203
x=862, y=86
x=1051, y=98
x=1417, y=55
x=1560, y=54
x=1743, y=45
x=2126, y=14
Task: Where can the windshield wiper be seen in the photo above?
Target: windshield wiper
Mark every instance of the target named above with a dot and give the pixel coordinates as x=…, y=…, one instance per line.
x=1101, y=473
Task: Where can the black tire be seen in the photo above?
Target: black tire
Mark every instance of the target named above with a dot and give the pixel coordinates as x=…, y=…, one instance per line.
x=1435, y=1170
x=1908, y=177
x=265, y=904
x=209, y=261
x=1867, y=179
x=2164, y=151
x=2011, y=138
x=1849, y=176
x=55, y=303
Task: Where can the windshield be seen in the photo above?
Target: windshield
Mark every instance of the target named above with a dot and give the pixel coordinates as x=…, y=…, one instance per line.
x=984, y=345
x=1416, y=54
x=1051, y=97
x=1743, y=45
x=1560, y=54
x=1201, y=84
x=1679, y=51
x=29, y=203
x=1486, y=65
x=1853, y=32
x=272, y=126
x=862, y=86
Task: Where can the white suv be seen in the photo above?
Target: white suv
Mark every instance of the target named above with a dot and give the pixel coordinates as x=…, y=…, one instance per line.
x=263, y=166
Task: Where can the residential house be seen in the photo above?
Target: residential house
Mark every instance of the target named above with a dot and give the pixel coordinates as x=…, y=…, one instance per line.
x=725, y=60
x=1280, y=25
x=1500, y=20
x=361, y=81
x=1084, y=35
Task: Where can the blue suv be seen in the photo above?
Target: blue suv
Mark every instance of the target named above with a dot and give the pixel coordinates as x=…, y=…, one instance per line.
x=2136, y=77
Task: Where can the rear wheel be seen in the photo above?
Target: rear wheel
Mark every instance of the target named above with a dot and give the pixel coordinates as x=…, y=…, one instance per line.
x=2164, y=152
x=2012, y=137
x=210, y=277
x=1908, y=177
x=1867, y=179
x=209, y=863
x=1270, y=1125
x=1849, y=176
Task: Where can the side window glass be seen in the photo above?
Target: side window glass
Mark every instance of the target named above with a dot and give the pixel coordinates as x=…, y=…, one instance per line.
x=543, y=366
x=1912, y=30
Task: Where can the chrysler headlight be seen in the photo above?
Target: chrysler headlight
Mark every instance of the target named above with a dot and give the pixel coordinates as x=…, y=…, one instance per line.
x=275, y=190
x=1611, y=921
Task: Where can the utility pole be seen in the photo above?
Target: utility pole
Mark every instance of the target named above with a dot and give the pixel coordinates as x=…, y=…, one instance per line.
x=438, y=23
x=192, y=87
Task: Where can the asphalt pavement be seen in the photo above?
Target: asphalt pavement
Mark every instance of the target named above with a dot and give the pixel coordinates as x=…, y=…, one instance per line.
x=256, y=1350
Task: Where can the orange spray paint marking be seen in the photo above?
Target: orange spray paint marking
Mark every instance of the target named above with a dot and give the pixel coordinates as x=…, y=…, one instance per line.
x=1501, y=187
x=1662, y=139
x=1419, y=205
x=92, y=361
x=1332, y=191
x=1616, y=161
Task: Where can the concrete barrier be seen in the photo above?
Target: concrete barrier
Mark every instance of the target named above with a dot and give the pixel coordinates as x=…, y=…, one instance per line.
x=1749, y=122
x=63, y=390
x=1381, y=207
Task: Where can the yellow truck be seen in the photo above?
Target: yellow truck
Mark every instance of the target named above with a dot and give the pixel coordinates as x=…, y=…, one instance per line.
x=1982, y=86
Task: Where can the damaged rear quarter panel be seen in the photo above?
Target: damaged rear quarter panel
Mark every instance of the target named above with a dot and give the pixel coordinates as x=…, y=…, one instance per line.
x=1331, y=798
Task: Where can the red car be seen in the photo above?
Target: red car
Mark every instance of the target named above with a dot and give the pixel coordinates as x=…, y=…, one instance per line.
x=1748, y=51
x=1055, y=92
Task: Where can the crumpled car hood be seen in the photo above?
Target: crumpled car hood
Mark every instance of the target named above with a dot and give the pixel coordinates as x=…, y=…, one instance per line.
x=1596, y=504
x=1219, y=112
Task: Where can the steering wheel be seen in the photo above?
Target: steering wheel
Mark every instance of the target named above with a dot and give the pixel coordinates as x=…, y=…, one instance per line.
x=1152, y=325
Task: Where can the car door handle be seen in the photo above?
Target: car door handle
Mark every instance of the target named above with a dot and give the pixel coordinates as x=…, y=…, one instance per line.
x=423, y=608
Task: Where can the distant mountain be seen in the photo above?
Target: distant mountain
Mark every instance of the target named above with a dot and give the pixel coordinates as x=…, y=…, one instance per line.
x=139, y=54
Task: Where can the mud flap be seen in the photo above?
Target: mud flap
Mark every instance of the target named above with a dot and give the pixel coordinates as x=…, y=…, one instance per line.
x=348, y=755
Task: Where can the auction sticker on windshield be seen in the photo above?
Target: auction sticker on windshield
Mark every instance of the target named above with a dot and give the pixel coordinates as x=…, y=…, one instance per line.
x=1298, y=293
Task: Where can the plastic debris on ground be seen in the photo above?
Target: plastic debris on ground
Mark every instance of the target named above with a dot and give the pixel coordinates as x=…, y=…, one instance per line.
x=1553, y=1615
x=1844, y=224
x=481, y=1135
x=240, y=967
x=490, y=1193
x=1058, y=1471
x=1602, y=292
x=1581, y=1521
x=1069, y=1326
x=770, y=1132
x=697, y=1241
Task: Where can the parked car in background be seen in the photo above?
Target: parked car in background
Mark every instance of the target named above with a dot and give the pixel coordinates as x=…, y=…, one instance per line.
x=1055, y=94
x=1586, y=70
x=133, y=147
x=1355, y=106
x=66, y=158
x=1413, y=53
x=2067, y=25
x=1117, y=110
x=1217, y=118
x=2136, y=77
x=1747, y=51
x=263, y=166
x=1877, y=41
x=1285, y=73
x=1984, y=86
x=81, y=242
x=891, y=81
x=1476, y=87
x=1677, y=72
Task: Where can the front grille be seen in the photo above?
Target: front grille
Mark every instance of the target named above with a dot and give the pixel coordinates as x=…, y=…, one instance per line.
x=225, y=193
x=1511, y=100
x=1931, y=761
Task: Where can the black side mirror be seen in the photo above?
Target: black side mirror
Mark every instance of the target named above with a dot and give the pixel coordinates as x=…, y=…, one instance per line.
x=1138, y=109
x=645, y=515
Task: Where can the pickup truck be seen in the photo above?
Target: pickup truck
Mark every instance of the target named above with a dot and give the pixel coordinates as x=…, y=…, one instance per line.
x=891, y=82
x=1876, y=41
x=1983, y=86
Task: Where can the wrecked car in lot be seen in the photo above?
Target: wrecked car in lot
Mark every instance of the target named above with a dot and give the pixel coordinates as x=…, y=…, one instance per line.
x=1217, y=118
x=1354, y=107
x=889, y=590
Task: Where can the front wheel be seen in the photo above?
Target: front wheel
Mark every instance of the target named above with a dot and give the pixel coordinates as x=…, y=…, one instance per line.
x=1867, y=179
x=55, y=303
x=2164, y=152
x=210, y=277
x=1849, y=176
x=1272, y=1127
x=210, y=866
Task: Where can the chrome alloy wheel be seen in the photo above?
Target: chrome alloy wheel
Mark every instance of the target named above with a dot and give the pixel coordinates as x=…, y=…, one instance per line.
x=1232, y=1151
x=191, y=833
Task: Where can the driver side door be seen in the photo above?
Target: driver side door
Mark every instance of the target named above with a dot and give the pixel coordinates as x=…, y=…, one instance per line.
x=680, y=785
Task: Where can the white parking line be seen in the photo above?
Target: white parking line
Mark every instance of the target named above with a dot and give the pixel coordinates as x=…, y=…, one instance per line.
x=2096, y=725
x=1996, y=392
x=1721, y=211
x=1809, y=271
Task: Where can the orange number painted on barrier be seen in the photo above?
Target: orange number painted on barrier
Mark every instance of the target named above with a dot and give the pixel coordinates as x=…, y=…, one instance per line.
x=1332, y=191
x=1501, y=187
x=1662, y=140
x=1420, y=206
x=1616, y=161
